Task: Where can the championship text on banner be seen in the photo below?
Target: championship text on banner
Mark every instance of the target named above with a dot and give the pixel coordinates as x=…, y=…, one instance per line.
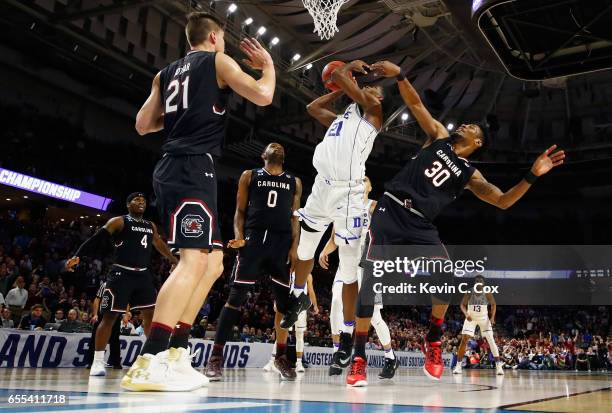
x=51, y=349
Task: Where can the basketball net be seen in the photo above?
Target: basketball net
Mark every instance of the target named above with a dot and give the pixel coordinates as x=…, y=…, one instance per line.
x=324, y=13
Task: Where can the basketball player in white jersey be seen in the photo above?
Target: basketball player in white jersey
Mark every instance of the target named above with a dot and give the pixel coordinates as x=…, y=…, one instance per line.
x=336, y=318
x=299, y=327
x=338, y=191
x=475, y=307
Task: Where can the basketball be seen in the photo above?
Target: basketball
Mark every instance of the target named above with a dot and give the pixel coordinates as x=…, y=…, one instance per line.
x=327, y=73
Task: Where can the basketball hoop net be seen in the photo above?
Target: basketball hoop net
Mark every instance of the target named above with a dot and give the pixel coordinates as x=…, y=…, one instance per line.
x=324, y=13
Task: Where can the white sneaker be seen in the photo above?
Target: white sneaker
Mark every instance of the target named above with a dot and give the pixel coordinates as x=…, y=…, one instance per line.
x=499, y=369
x=457, y=369
x=183, y=366
x=158, y=373
x=299, y=367
x=98, y=368
x=270, y=367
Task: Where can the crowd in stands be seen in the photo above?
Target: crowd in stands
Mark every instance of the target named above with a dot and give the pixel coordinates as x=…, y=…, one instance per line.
x=36, y=293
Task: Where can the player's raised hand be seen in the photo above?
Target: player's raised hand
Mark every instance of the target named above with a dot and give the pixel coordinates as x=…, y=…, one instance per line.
x=257, y=56
x=236, y=243
x=386, y=68
x=547, y=161
x=71, y=263
x=359, y=66
x=324, y=259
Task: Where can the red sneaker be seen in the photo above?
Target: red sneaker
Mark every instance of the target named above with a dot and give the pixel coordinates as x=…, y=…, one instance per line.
x=357, y=376
x=434, y=365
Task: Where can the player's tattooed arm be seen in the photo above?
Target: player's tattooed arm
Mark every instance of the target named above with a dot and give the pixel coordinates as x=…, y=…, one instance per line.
x=242, y=200
x=490, y=193
x=150, y=117
x=295, y=225
x=321, y=108
x=433, y=128
x=229, y=73
x=94, y=242
x=161, y=247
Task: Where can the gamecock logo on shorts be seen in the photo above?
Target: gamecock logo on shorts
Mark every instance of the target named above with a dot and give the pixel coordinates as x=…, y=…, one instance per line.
x=191, y=226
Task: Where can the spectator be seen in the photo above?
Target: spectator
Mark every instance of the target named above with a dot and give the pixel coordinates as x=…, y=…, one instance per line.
x=16, y=299
x=126, y=327
x=59, y=316
x=7, y=322
x=34, y=320
x=73, y=325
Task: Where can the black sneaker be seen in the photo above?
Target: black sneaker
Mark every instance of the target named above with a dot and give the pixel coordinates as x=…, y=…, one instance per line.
x=286, y=371
x=389, y=368
x=295, y=305
x=342, y=357
x=335, y=370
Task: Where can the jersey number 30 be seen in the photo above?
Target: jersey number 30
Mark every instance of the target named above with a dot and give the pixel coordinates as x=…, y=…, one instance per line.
x=174, y=88
x=437, y=173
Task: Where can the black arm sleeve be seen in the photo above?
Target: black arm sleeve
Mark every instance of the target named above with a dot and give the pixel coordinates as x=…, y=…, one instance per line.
x=93, y=243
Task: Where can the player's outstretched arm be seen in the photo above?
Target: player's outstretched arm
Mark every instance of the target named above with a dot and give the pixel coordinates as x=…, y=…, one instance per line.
x=491, y=194
x=321, y=109
x=242, y=200
x=93, y=243
x=295, y=225
x=261, y=91
x=430, y=126
x=161, y=247
x=150, y=117
x=341, y=77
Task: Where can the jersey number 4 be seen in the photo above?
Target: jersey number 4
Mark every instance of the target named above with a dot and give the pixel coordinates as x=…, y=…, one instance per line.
x=437, y=173
x=143, y=241
x=174, y=88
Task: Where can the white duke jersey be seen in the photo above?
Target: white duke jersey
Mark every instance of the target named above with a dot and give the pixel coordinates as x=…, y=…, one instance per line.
x=477, y=306
x=342, y=154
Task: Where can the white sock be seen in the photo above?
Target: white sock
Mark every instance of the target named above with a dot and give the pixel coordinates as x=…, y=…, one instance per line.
x=389, y=354
x=348, y=327
x=99, y=355
x=297, y=291
x=336, y=346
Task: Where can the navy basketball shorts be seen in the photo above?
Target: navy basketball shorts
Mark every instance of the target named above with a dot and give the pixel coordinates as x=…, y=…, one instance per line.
x=392, y=225
x=124, y=287
x=186, y=195
x=264, y=253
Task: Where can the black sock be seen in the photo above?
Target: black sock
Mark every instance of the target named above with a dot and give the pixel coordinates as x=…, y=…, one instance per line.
x=158, y=339
x=225, y=323
x=435, y=329
x=360, y=341
x=180, y=335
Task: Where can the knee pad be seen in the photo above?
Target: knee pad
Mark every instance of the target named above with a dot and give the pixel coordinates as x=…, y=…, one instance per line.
x=309, y=241
x=237, y=295
x=348, y=267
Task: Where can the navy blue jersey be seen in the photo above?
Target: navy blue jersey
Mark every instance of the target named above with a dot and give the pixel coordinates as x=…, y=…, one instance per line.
x=432, y=179
x=270, y=201
x=194, y=105
x=133, y=245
